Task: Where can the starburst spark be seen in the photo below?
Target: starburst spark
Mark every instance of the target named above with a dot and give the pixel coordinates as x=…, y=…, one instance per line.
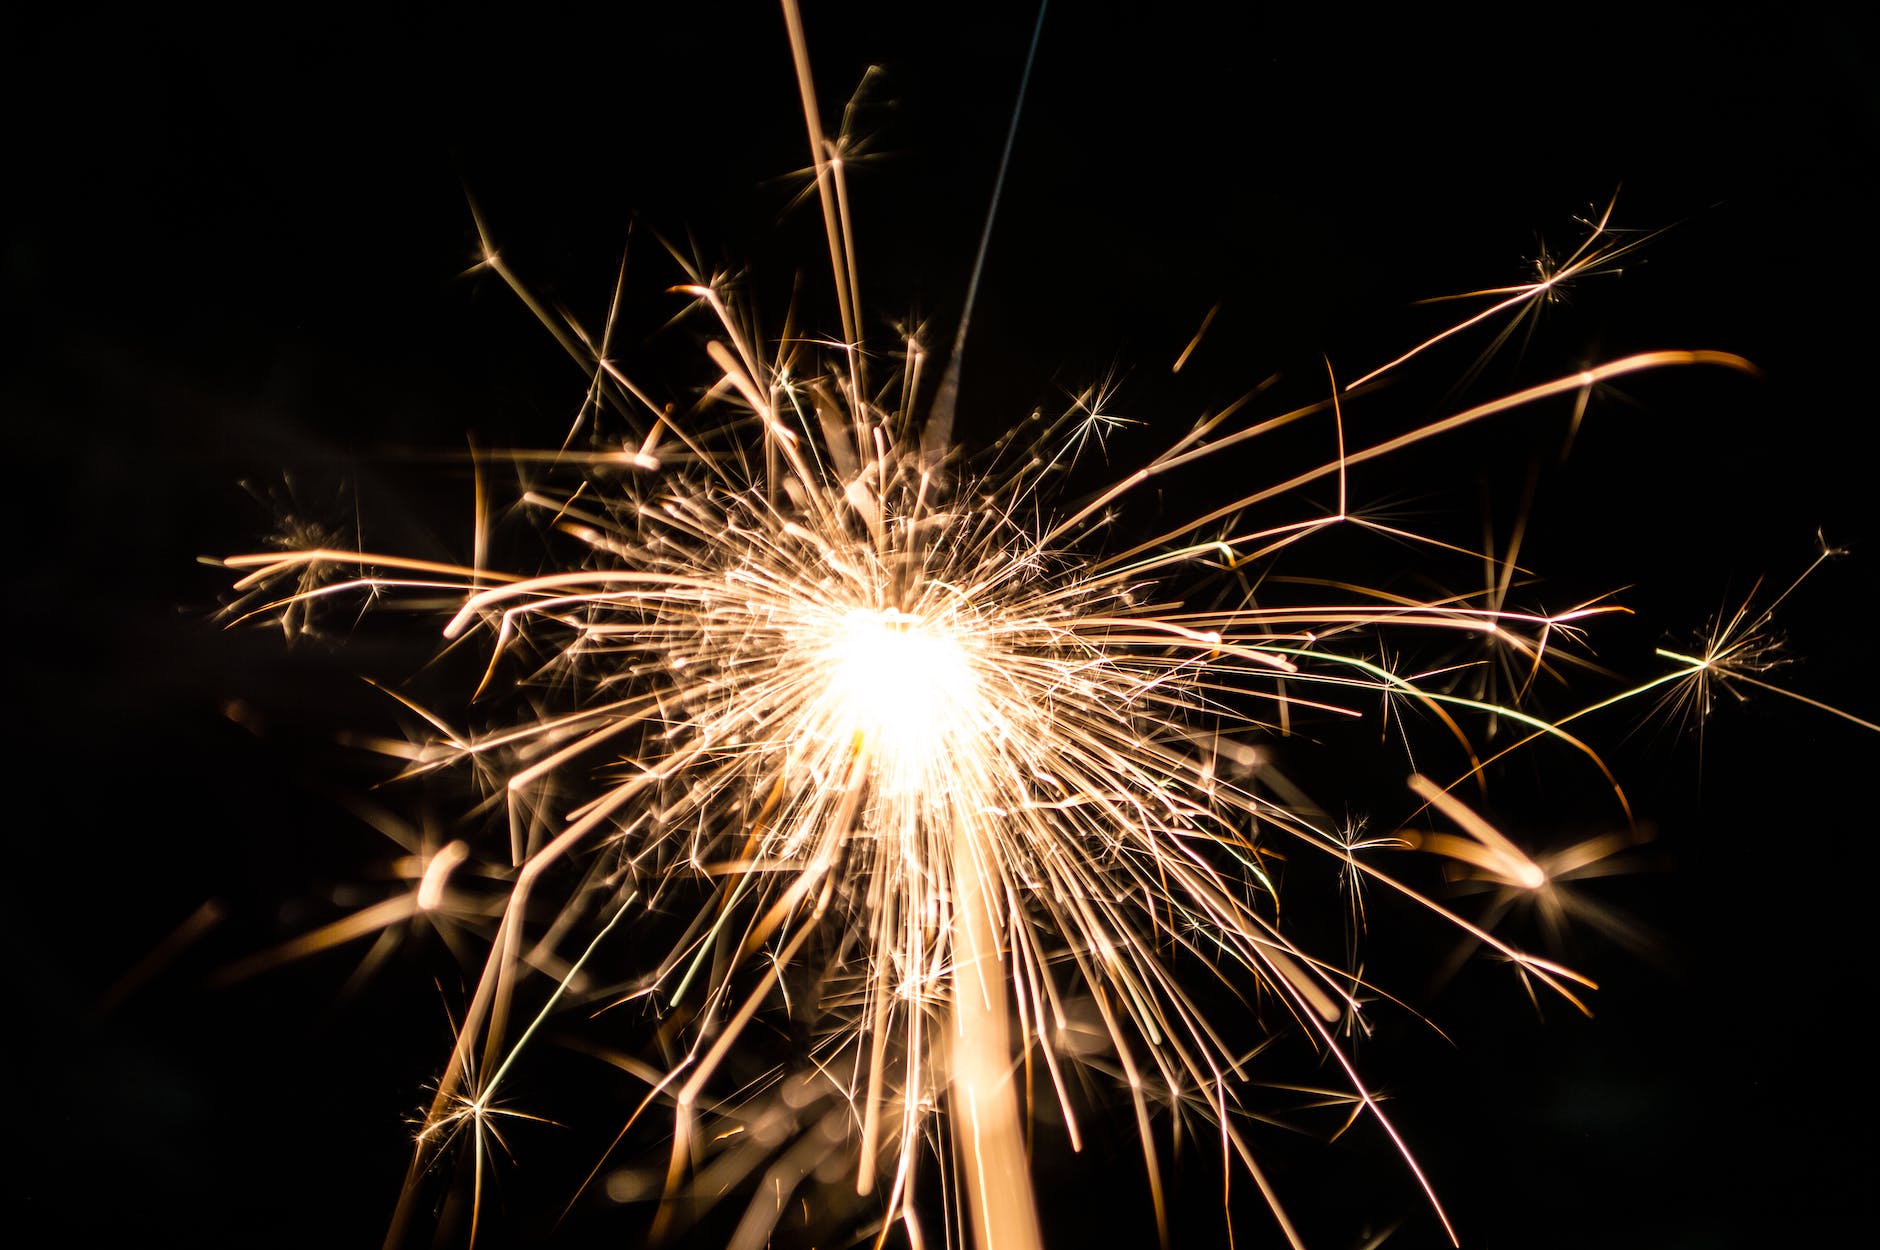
x=913, y=731
x=912, y=749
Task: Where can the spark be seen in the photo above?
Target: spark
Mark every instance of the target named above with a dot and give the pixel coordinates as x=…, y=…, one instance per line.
x=909, y=726
x=1599, y=252
x=1743, y=646
x=912, y=751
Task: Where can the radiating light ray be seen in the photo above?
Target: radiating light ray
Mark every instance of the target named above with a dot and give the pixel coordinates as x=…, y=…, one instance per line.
x=885, y=738
x=867, y=656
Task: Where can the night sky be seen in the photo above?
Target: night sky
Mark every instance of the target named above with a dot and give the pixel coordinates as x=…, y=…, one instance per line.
x=235, y=271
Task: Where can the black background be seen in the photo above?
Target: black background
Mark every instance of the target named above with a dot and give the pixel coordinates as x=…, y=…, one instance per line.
x=236, y=249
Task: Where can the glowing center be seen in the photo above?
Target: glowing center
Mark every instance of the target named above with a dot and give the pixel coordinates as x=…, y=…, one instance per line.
x=898, y=684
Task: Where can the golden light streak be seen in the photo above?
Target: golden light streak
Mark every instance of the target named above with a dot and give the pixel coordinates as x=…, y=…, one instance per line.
x=1490, y=850
x=991, y=1144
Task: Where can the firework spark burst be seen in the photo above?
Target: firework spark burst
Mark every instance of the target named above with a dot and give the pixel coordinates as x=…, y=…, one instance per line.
x=897, y=742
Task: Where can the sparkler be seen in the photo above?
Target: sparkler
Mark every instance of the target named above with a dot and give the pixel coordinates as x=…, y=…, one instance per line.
x=901, y=743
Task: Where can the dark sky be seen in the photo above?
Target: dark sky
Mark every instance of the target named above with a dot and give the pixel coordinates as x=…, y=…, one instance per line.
x=235, y=251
